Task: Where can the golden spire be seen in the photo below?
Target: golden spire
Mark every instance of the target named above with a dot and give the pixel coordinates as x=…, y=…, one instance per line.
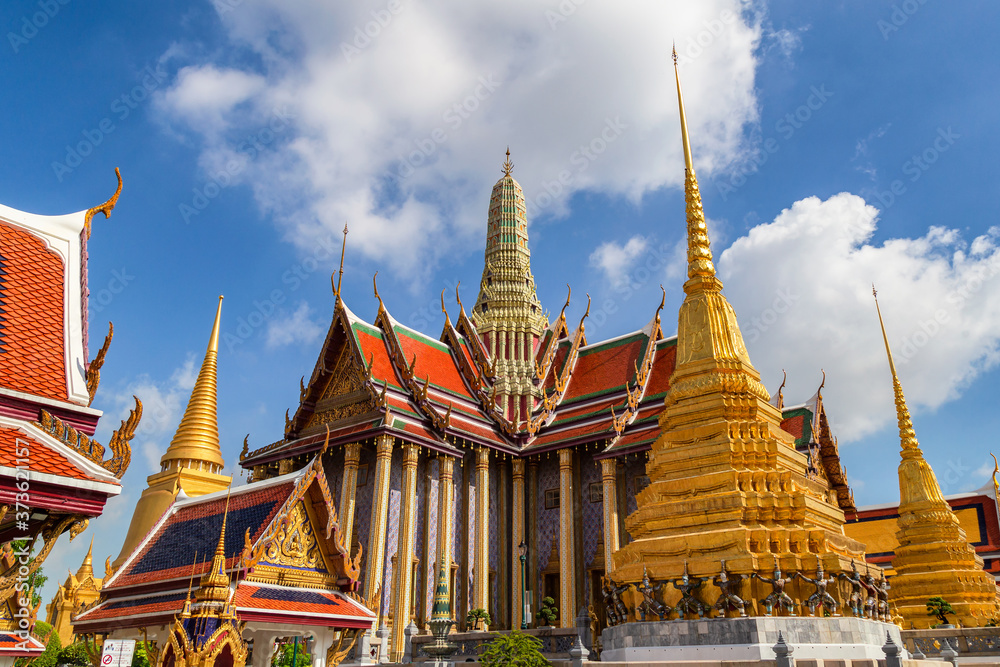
x=507, y=166
x=197, y=437
x=340, y=272
x=907, y=436
x=699, y=248
x=87, y=567
x=215, y=583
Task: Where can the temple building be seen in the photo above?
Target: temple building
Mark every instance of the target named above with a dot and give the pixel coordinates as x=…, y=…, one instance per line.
x=79, y=590
x=507, y=430
x=54, y=477
x=269, y=556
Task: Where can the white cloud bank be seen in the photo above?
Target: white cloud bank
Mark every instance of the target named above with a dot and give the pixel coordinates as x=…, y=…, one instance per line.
x=400, y=112
x=297, y=327
x=616, y=260
x=802, y=289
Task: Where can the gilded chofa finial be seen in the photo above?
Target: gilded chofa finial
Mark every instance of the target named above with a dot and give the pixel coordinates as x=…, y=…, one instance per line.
x=781, y=390
x=699, y=248
x=508, y=166
x=340, y=271
x=104, y=208
x=907, y=436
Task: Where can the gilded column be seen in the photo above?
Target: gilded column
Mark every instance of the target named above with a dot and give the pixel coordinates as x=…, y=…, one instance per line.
x=446, y=498
x=481, y=575
x=348, y=490
x=609, y=477
x=567, y=559
x=403, y=594
x=377, y=528
x=517, y=536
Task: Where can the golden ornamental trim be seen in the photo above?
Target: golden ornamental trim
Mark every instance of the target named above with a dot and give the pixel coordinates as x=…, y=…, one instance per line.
x=94, y=367
x=91, y=449
x=104, y=208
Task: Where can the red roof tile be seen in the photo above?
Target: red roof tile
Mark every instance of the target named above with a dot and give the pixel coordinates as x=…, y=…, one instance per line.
x=41, y=459
x=32, y=292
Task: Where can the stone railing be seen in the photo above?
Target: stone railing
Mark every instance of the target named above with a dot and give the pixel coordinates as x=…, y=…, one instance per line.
x=967, y=641
x=556, y=643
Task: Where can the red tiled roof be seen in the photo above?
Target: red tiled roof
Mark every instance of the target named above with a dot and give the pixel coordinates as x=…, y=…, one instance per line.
x=433, y=361
x=373, y=349
x=794, y=425
x=41, y=459
x=663, y=367
x=12, y=645
x=32, y=291
x=604, y=368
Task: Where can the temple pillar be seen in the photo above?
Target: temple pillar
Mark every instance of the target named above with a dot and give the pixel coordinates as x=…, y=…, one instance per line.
x=609, y=478
x=567, y=559
x=348, y=491
x=517, y=536
x=532, y=504
x=481, y=574
x=403, y=593
x=376, y=536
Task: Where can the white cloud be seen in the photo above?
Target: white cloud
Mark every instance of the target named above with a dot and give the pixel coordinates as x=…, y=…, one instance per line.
x=402, y=130
x=295, y=328
x=802, y=289
x=616, y=260
x=163, y=403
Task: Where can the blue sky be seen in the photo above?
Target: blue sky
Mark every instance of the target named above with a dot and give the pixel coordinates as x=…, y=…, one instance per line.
x=837, y=144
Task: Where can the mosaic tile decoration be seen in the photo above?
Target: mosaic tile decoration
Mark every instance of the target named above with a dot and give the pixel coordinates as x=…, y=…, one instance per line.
x=392, y=523
x=363, y=506
x=548, y=520
x=593, y=518
x=432, y=506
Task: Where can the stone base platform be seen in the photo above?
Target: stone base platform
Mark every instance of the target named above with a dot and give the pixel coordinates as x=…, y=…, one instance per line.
x=738, y=639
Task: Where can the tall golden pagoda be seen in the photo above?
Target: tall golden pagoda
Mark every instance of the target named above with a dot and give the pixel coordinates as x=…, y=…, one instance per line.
x=726, y=482
x=934, y=557
x=507, y=313
x=79, y=589
x=193, y=462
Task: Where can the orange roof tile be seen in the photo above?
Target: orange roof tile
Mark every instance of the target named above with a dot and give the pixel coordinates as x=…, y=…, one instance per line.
x=32, y=290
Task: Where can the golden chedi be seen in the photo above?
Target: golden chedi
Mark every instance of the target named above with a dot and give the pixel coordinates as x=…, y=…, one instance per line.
x=934, y=557
x=80, y=589
x=726, y=482
x=193, y=463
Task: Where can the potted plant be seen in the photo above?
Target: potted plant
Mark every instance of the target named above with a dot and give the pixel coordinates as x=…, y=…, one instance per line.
x=939, y=607
x=477, y=616
x=548, y=613
x=514, y=648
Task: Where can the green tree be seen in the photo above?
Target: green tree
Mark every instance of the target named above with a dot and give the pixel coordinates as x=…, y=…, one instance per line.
x=283, y=658
x=939, y=607
x=139, y=658
x=36, y=579
x=549, y=611
x=50, y=655
x=74, y=654
x=477, y=615
x=514, y=648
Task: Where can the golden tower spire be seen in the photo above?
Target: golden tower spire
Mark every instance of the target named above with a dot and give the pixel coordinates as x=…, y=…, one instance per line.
x=196, y=441
x=699, y=248
x=193, y=463
x=719, y=431
x=934, y=556
x=87, y=567
x=215, y=583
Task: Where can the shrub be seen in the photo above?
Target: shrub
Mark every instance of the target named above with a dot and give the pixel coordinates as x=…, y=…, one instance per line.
x=939, y=607
x=477, y=615
x=514, y=648
x=549, y=611
x=74, y=654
